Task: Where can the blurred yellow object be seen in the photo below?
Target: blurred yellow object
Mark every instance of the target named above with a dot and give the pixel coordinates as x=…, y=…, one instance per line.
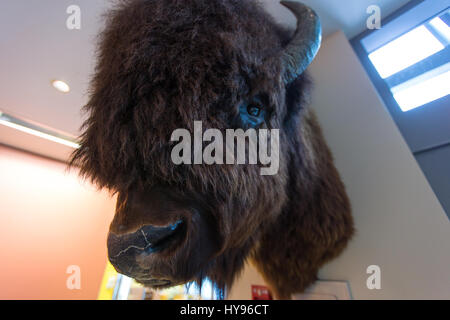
x=108, y=283
x=137, y=291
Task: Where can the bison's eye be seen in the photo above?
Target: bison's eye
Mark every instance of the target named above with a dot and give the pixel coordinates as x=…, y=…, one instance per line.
x=254, y=110
x=252, y=114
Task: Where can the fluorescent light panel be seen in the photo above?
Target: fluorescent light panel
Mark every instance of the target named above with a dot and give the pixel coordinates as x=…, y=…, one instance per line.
x=32, y=129
x=423, y=89
x=405, y=51
x=440, y=26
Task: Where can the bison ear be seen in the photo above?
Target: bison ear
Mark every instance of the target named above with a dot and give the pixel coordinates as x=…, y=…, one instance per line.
x=297, y=100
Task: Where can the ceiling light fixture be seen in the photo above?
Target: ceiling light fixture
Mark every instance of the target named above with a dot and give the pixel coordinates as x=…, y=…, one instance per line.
x=36, y=130
x=61, y=86
x=405, y=51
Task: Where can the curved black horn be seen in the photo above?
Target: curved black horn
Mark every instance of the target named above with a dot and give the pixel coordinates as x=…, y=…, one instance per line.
x=303, y=47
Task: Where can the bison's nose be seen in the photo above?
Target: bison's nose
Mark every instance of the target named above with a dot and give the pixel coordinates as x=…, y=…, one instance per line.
x=123, y=249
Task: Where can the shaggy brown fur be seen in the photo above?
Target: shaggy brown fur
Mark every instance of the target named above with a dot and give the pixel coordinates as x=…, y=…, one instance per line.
x=163, y=64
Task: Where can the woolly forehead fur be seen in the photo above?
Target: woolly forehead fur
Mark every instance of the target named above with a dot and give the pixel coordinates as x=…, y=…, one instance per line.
x=162, y=65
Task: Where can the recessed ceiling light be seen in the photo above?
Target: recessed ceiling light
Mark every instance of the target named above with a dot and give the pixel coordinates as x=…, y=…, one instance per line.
x=61, y=86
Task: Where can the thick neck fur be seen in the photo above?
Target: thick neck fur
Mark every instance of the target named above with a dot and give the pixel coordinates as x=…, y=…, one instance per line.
x=315, y=225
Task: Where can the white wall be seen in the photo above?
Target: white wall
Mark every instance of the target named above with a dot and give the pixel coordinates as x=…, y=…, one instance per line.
x=241, y=289
x=400, y=224
x=49, y=220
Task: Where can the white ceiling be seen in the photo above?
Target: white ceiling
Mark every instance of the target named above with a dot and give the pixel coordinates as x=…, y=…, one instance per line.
x=350, y=16
x=36, y=47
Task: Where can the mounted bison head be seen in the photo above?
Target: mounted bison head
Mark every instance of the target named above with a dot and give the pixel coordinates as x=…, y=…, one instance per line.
x=163, y=64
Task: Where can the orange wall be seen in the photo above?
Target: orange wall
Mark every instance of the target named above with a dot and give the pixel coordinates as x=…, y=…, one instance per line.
x=49, y=220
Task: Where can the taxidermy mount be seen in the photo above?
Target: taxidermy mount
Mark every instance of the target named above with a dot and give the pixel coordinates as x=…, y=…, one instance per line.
x=162, y=65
